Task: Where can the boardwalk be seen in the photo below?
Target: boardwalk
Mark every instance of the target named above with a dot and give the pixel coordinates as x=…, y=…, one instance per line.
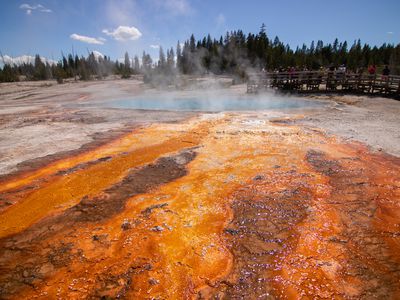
x=309, y=81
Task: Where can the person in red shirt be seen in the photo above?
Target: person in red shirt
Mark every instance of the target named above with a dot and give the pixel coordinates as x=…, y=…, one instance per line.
x=372, y=70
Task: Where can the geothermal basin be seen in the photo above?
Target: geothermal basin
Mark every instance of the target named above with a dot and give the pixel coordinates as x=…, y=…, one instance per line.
x=301, y=201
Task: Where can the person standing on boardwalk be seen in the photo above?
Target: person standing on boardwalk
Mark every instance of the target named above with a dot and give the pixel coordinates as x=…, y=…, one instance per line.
x=372, y=70
x=385, y=73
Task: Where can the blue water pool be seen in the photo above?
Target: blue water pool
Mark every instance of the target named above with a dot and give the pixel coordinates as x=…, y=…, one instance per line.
x=214, y=104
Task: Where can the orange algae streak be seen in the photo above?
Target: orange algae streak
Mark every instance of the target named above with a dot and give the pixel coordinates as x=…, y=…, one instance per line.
x=128, y=142
x=172, y=245
x=177, y=249
x=192, y=253
x=111, y=148
x=62, y=192
x=348, y=246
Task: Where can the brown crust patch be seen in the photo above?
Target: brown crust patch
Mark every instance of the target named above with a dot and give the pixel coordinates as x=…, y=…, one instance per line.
x=262, y=230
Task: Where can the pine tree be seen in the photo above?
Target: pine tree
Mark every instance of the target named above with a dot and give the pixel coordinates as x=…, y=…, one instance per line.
x=8, y=74
x=127, y=66
x=40, y=69
x=170, y=59
x=146, y=61
x=192, y=43
x=161, y=60
x=136, y=65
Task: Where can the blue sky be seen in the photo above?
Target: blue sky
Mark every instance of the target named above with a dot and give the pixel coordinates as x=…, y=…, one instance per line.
x=112, y=27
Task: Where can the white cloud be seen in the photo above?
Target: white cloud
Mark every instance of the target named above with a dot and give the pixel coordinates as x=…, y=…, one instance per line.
x=181, y=7
x=390, y=32
x=87, y=39
x=24, y=6
x=24, y=59
x=30, y=8
x=121, y=12
x=124, y=33
x=175, y=7
x=155, y=46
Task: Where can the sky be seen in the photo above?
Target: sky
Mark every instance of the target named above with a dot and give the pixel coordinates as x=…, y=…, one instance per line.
x=111, y=27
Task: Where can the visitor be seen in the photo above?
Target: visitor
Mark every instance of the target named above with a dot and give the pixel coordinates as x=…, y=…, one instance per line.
x=385, y=73
x=331, y=70
x=372, y=70
x=342, y=69
x=291, y=71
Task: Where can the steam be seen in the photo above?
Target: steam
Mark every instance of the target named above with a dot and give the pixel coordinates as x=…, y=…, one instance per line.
x=206, y=89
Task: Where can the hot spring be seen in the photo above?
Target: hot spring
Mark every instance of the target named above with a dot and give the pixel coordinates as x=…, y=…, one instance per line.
x=214, y=103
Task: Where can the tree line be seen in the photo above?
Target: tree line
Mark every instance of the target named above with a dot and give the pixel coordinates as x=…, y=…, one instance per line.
x=234, y=53
x=237, y=52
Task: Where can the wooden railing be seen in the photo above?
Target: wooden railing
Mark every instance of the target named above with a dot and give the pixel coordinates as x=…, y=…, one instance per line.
x=309, y=81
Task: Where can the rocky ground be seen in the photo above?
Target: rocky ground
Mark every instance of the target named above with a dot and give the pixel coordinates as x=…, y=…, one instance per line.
x=373, y=121
x=115, y=203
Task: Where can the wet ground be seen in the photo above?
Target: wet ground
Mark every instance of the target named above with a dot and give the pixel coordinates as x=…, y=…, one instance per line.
x=220, y=206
